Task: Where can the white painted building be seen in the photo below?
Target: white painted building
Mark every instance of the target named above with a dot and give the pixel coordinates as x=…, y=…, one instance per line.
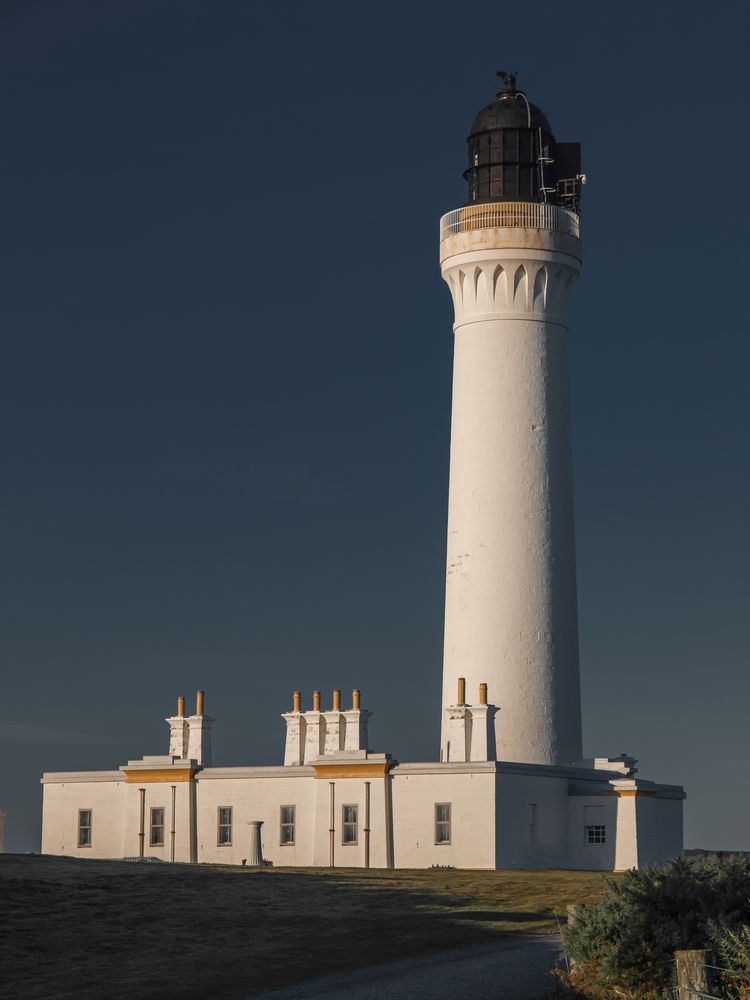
x=334, y=803
x=511, y=789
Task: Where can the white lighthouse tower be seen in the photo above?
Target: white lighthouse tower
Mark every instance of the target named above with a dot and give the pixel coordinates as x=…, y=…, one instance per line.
x=510, y=257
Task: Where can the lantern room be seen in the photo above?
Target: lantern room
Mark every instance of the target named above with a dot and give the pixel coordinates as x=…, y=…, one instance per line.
x=514, y=156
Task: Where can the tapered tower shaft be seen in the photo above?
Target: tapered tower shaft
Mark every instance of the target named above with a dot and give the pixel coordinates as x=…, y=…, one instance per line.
x=511, y=610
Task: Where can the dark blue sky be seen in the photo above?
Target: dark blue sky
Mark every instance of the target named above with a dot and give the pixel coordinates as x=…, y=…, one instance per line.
x=225, y=378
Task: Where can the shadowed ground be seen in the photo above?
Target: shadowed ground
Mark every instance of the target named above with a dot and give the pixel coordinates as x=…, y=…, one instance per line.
x=512, y=968
x=79, y=930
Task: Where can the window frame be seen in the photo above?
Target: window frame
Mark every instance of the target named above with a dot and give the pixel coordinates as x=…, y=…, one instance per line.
x=533, y=823
x=349, y=823
x=591, y=835
x=220, y=826
x=283, y=825
x=444, y=822
x=85, y=826
x=156, y=826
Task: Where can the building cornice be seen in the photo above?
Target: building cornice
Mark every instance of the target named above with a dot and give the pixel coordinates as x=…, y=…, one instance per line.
x=69, y=777
x=279, y=771
x=149, y=775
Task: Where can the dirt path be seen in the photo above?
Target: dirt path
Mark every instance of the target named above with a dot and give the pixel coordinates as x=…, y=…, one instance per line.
x=513, y=969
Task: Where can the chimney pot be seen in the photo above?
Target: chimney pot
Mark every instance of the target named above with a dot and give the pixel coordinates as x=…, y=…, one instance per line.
x=199, y=703
x=316, y=701
x=482, y=694
x=461, y=690
x=336, y=700
x=355, y=699
x=297, y=701
x=181, y=706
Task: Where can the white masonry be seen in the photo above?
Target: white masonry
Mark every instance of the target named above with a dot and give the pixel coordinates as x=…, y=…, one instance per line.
x=510, y=607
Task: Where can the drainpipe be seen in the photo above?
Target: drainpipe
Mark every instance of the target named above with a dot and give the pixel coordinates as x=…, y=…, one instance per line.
x=332, y=825
x=193, y=819
x=174, y=795
x=142, y=824
x=388, y=821
x=367, y=824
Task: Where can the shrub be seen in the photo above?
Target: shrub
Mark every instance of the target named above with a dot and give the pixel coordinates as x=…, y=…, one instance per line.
x=624, y=944
x=732, y=948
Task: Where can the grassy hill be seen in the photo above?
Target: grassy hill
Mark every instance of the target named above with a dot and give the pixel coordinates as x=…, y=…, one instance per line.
x=79, y=930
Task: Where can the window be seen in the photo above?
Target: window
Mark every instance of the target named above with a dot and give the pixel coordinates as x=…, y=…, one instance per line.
x=287, y=825
x=443, y=823
x=156, y=837
x=224, y=835
x=596, y=834
x=349, y=825
x=532, y=824
x=84, y=827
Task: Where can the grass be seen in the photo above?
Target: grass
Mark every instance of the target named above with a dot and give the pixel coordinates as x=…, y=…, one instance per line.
x=79, y=930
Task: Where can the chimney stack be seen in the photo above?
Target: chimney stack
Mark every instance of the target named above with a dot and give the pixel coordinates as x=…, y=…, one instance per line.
x=199, y=733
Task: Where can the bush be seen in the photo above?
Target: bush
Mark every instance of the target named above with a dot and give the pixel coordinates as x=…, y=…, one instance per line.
x=732, y=948
x=624, y=944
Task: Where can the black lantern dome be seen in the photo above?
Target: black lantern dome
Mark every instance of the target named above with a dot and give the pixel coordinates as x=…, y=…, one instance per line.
x=510, y=109
x=513, y=155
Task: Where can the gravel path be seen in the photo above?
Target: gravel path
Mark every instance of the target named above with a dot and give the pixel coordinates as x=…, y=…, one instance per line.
x=513, y=969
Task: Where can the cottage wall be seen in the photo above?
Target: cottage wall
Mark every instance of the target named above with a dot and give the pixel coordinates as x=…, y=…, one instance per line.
x=470, y=791
x=105, y=794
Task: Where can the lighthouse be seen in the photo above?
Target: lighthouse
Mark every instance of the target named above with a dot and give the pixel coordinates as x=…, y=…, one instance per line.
x=511, y=789
x=510, y=257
